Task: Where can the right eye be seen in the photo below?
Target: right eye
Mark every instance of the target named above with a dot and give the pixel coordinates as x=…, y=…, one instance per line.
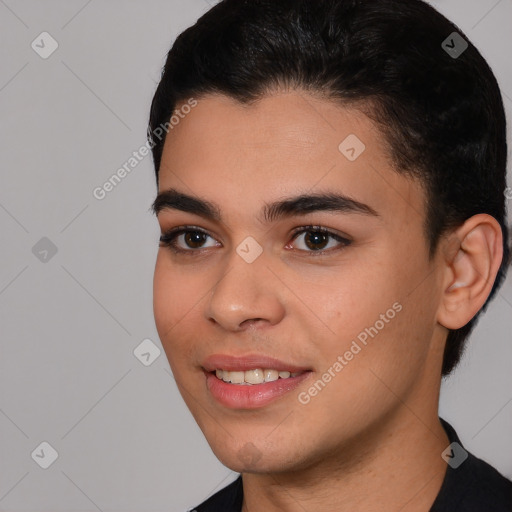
x=192, y=239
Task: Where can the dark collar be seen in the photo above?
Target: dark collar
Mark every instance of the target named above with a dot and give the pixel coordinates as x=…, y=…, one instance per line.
x=472, y=486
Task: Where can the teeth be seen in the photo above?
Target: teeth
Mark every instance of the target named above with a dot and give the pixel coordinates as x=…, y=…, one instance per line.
x=256, y=376
x=271, y=375
x=235, y=377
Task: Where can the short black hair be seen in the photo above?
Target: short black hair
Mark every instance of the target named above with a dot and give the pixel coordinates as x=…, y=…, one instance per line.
x=441, y=113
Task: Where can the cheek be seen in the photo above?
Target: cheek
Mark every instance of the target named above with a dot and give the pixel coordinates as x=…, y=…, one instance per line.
x=373, y=310
x=175, y=302
x=163, y=297
x=175, y=292
x=349, y=299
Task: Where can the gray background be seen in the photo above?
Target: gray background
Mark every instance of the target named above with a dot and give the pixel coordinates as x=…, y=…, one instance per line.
x=68, y=375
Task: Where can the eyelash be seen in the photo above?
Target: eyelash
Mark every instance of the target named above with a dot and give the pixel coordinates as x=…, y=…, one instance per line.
x=168, y=239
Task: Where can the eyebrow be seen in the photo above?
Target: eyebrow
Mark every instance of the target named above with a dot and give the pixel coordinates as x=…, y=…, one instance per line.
x=173, y=199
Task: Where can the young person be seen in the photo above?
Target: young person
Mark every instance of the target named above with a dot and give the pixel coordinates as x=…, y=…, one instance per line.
x=331, y=178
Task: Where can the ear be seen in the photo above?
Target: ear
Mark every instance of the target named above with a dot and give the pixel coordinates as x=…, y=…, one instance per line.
x=471, y=259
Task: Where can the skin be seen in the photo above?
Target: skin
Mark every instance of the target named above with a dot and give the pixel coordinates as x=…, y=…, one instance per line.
x=371, y=439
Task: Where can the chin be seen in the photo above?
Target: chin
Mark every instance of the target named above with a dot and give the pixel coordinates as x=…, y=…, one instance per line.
x=246, y=456
x=252, y=465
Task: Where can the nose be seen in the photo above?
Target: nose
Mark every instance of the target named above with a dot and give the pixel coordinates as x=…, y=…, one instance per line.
x=247, y=295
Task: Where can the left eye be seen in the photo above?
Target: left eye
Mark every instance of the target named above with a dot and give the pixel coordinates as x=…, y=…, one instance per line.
x=316, y=239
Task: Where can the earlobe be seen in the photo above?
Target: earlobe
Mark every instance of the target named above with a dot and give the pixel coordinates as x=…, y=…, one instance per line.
x=471, y=265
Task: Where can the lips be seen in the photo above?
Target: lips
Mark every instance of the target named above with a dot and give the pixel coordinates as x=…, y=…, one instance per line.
x=249, y=362
x=239, y=394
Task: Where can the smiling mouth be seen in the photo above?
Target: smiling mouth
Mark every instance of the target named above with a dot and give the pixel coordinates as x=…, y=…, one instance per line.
x=254, y=376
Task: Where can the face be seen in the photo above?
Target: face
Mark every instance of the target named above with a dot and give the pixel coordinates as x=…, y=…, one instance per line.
x=307, y=256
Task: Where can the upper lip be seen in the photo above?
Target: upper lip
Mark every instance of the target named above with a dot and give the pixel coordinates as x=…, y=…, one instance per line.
x=248, y=362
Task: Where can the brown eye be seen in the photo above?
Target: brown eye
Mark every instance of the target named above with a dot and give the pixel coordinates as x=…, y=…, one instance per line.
x=317, y=239
x=183, y=240
x=194, y=239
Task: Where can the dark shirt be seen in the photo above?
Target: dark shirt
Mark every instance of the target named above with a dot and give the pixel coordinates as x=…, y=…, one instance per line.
x=473, y=486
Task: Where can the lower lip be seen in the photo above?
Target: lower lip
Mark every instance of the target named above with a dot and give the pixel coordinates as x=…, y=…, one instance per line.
x=239, y=396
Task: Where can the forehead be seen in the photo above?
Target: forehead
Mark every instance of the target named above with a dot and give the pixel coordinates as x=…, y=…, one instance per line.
x=293, y=120
x=239, y=155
